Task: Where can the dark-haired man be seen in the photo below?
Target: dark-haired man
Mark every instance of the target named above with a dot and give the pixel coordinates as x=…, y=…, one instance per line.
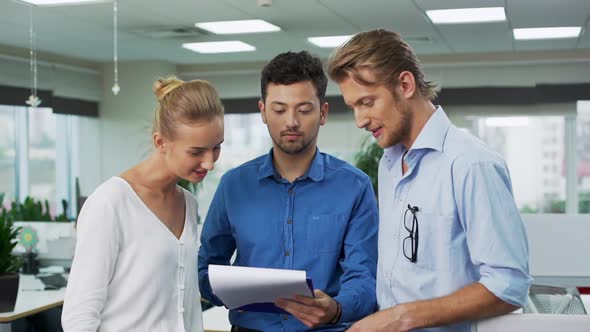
x=296, y=208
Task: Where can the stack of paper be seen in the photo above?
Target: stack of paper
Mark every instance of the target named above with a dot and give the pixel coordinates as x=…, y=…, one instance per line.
x=239, y=286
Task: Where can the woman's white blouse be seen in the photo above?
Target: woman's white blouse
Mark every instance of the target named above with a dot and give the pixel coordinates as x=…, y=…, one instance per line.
x=130, y=273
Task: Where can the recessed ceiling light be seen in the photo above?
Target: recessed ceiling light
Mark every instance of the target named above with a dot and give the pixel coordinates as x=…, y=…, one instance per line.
x=219, y=47
x=329, y=41
x=467, y=15
x=547, y=33
x=41, y=3
x=234, y=27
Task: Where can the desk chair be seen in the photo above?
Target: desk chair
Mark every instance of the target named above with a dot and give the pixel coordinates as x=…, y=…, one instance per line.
x=554, y=300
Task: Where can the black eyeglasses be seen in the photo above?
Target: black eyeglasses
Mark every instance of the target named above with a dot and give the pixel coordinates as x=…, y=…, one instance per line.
x=413, y=230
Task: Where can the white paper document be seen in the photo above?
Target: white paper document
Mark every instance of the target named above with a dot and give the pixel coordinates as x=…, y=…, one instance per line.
x=237, y=286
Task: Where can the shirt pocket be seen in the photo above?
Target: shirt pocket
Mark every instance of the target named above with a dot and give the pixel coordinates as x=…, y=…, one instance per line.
x=325, y=232
x=434, y=241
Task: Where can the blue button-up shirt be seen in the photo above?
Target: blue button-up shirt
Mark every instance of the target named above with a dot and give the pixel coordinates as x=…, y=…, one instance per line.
x=325, y=223
x=469, y=228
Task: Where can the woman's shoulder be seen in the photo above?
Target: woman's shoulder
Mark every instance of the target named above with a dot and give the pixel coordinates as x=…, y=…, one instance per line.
x=110, y=192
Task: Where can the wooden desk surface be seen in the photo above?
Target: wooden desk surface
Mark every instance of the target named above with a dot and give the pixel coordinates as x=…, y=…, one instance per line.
x=32, y=299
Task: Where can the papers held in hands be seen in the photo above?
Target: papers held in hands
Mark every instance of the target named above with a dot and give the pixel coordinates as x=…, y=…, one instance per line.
x=256, y=289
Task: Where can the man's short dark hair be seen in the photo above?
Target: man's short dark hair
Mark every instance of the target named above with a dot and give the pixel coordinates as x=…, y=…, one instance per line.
x=291, y=67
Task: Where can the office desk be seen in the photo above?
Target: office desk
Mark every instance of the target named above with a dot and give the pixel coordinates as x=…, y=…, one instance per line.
x=30, y=302
x=31, y=299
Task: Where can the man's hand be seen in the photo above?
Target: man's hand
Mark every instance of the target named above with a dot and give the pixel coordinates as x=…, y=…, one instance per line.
x=313, y=312
x=390, y=320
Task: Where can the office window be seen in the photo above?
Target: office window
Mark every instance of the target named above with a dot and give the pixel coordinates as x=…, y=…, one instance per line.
x=583, y=156
x=246, y=138
x=42, y=156
x=537, y=169
x=36, y=157
x=7, y=153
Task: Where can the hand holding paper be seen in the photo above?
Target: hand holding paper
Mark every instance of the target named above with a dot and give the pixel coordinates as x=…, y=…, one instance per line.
x=237, y=286
x=313, y=312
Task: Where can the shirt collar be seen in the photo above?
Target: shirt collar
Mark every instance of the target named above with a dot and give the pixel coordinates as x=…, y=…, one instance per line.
x=315, y=171
x=432, y=136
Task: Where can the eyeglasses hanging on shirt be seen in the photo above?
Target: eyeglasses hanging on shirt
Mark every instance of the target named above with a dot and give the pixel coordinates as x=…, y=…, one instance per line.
x=410, y=244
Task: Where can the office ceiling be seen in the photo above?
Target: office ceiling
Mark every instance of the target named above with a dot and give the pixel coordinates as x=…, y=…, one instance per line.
x=147, y=27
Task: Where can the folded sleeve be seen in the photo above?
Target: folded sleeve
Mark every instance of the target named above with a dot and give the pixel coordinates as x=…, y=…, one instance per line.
x=496, y=235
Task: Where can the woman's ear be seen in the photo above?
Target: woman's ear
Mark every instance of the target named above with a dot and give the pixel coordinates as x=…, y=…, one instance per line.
x=159, y=142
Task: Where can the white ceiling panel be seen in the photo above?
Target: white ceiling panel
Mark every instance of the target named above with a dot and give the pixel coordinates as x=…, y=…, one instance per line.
x=437, y=4
x=553, y=44
x=485, y=37
x=147, y=27
x=547, y=13
x=584, y=40
x=401, y=16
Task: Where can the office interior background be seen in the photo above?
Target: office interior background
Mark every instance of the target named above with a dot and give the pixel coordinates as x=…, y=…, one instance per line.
x=525, y=98
x=529, y=99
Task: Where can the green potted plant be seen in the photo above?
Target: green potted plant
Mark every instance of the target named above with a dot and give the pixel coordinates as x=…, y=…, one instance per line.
x=56, y=234
x=9, y=263
x=367, y=160
x=33, y=210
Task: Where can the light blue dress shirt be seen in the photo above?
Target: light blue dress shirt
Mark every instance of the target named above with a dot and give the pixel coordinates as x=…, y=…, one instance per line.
x=469, y=228
x=325, y=223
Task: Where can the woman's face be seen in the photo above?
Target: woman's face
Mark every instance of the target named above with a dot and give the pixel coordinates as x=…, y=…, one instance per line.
x=194, y=149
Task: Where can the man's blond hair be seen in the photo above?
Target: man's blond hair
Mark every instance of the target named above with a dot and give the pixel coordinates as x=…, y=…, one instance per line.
x=385, y=54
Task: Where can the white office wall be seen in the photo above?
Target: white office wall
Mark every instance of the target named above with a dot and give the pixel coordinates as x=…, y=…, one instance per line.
x=503, y=74
x=340, y=136
x=241, y=84
x=558, y=247
x=63, y=80
x=121, y=136
x=89, y=154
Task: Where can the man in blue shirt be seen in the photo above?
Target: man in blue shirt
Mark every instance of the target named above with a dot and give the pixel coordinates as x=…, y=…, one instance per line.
x=452, y=245
x=296, y=208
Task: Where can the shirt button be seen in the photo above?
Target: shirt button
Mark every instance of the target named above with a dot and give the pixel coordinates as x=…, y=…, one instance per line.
x=285, y=317
x=290, y=191
x=289, y=221
x=181, y=287
x=181, y=310
x=287, y=253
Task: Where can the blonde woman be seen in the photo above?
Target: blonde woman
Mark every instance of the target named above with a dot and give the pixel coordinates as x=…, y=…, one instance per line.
x=135, y=263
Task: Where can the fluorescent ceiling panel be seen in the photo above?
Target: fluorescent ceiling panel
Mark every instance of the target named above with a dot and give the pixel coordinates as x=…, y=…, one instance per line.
x=42, y=3
x=547, y=33
x=467, y=15
x=219, y=47
x=329, y=41
x=241, y=26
